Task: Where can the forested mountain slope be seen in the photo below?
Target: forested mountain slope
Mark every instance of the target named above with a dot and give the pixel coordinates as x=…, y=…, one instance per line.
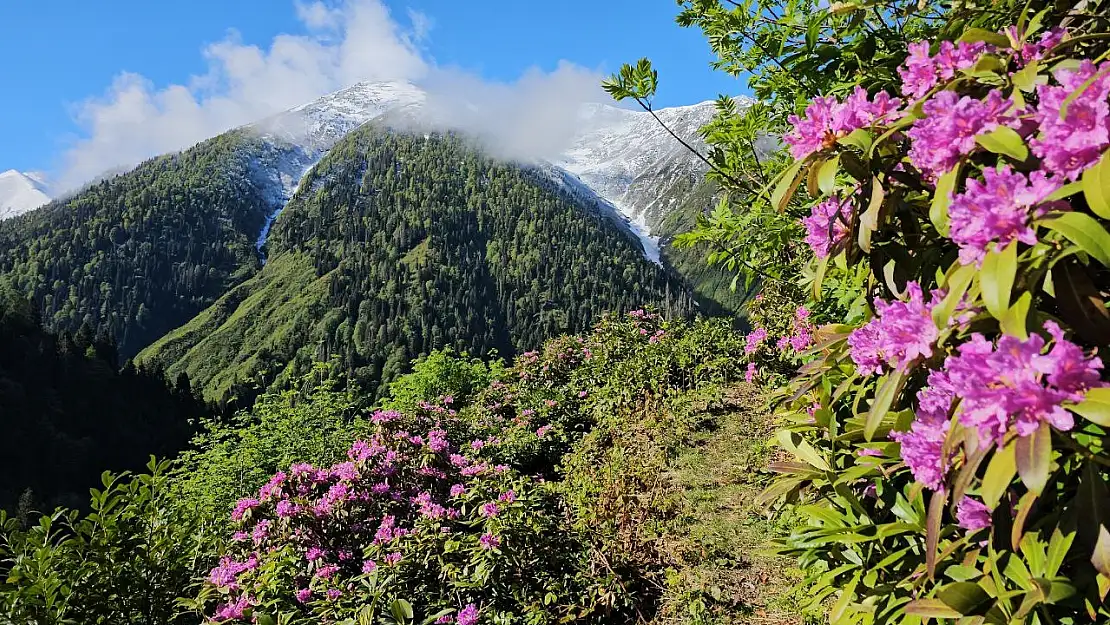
x=67, y=414
x=141, y=253
x=397, y=244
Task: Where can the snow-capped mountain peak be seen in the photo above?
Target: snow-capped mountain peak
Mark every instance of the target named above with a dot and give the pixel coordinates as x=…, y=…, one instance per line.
x=21, y=192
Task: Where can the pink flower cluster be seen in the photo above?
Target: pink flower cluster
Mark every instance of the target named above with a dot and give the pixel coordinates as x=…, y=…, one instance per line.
x=754, y=339
x=1072, y=142
x=827, y=120
x=1010, y=387
x=801, y=335
x=921, y=72
x=999, y=210
x=950, y=126
x=340, y=522
x=827, y=225
x=1016, y=385
x=901, y=333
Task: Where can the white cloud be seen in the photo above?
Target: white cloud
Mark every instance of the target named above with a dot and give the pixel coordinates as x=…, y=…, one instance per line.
x=346, y=41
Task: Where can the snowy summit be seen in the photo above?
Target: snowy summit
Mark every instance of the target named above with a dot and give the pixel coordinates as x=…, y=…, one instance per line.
x=20, y=192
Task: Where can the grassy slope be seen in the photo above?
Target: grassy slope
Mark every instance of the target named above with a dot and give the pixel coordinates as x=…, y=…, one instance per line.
x=725, y=569
x=668, y=488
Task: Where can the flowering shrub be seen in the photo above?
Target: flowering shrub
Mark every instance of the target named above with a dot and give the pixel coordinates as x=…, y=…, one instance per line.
x=407, y=516
x=950, y=452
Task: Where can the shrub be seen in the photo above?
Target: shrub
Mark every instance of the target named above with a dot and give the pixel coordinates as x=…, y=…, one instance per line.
x=126, y=561
x=406, y=520
x=950, y=452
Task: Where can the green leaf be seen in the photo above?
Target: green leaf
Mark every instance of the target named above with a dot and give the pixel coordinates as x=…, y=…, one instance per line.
x=401, y=610
x=1080, y=301
x=890, y=386
x=1004, y=140
x=859, y=138
x=1065, y=191
x=964, y=597
x=937, y=502
x=1096, y=186
x=1082, y=230
x=869, y=220
x=973, y=35
x=795, y=444
x=786, y=186
x=931, y=608
x=1027, y=78
x=846, y=596
x=1033, y=455
x=997, y=279
x=938, y=210
x=1095, y=406
x=957, y=285
x=1014, y=321
x=826, y=175
x=1000, y=473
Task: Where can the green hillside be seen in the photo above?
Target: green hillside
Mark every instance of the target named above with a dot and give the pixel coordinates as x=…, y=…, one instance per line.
x=141, y=253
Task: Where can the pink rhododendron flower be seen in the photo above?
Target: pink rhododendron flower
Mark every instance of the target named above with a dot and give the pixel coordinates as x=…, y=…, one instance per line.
x=827, y=120
x=233, y=610
x=468, y=615
x=751, y=372
x=1034, y=51
x=368, y=566
x=900, y=334
x=754, y=339
x=972, y=514
x=507, y=496
x=457, y=490
x=333, y=594
x=998, y=210
x=303, y=595
x=950, y=126
x=1073, y=142
x=923, y=445
x=242, y=506
x=392, y=558
x=827, y=225
x=327, y=571
x=922, y=72
x=489, y=510
x=489, y=541
x=1017, y=384
x=543, y=430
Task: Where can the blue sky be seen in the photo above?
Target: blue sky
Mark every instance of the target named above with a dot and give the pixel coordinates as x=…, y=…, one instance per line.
x=84, y=86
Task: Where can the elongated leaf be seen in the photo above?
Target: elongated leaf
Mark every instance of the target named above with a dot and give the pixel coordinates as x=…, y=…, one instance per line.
x=1065, y=191
x=957, y=286
x=401, y=610
x=1095, y=407
x=1096, y=187
x=1004, y=140
x=786, y=186
x=997, y=279
x=964, y=597
x=1000, y=473
x=889, y=389
x=938, y=210
x=826, y=176
x=932, y=530
x=1058, y=547
x=1014, y=321
x=1080, y=302
x=1025, y=506
x=869, y=220
x=1033, y=454
x=846, y=596
x=859, y=138
x=795, y=444
x=931, y=608
x=1084, y=232
x=973, y=35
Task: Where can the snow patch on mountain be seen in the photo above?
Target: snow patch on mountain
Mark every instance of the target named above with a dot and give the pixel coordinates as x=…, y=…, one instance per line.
x=21, y=192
